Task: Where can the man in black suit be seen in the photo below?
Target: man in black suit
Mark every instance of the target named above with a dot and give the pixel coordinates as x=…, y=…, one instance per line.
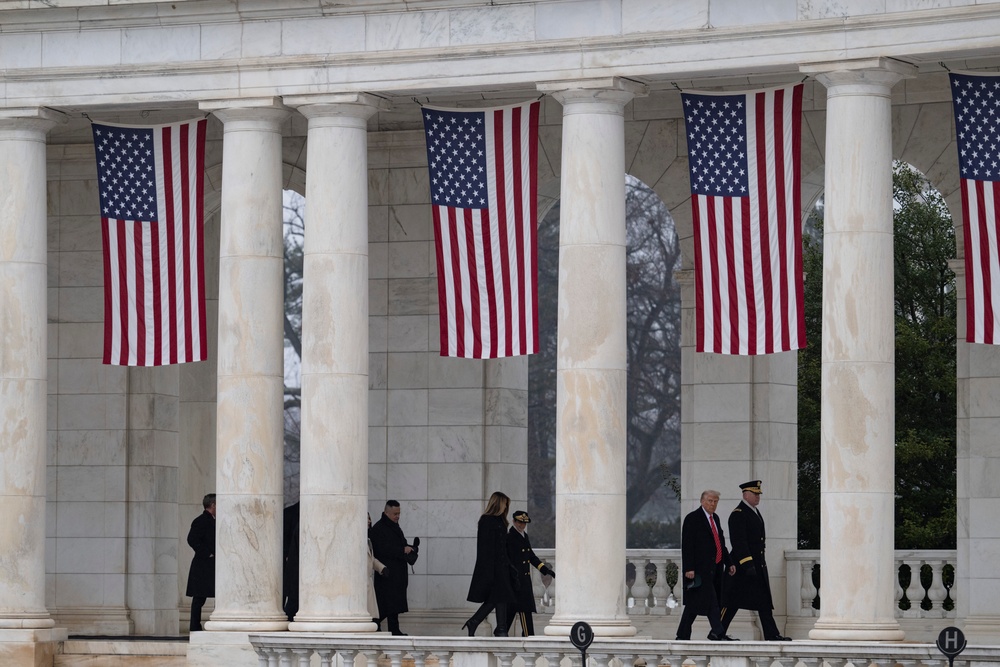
x=750, y=587
x=389, y=546
x=201, y=576
x=704, y=559
x=522, y=557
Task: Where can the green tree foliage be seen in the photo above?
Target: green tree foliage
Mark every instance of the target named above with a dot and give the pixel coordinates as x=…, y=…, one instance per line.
x=925, y=310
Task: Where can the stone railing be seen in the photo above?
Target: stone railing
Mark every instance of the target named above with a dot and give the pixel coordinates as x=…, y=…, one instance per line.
x=651, y=578
x=924, y=584
x=291, y=649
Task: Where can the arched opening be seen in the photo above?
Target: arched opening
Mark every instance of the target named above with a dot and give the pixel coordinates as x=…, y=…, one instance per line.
x=925, y=425
x=654, y=375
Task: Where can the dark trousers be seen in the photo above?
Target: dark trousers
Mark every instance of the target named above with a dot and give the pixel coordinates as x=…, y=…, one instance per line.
x=392, y=621
x=500, y=629
x=527, y=624
x=196, y=604
x=767, y=624
x=689, y=614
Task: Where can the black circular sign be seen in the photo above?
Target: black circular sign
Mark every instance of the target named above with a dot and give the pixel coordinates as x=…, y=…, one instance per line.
x=951, y=641
x=582, y=635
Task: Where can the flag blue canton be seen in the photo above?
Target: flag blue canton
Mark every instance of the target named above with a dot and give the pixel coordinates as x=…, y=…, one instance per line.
x=977, y=126
x=717, y=144
x=126, y=173
x=456, y=156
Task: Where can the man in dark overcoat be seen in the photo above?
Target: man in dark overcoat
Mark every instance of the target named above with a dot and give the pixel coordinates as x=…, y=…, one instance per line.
x=523, y=558
x=389, y=546
x=201, y=576
x=704, y=560
x=750, y=587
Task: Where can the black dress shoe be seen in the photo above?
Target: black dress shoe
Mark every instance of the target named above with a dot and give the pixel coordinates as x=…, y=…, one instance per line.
x=721, y=638
x=471, y=626
x=778, y=638
x=397, y=633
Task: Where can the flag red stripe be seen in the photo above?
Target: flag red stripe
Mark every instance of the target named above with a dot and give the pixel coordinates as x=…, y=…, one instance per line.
x=441, y=283
x=108, y=307
x=731, y=278
x=713, y=245
x=517, y=213
x=983, y=221
x=764, y=143
x=530, y=309
x=199, y=248
x=169, y=228
x=699, y=259
x=795, y=171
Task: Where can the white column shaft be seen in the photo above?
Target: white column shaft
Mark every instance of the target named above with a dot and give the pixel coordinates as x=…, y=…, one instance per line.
x=333, y=587
x=250, y=428
x=858, y=373
x=590, y=393
x=23, y=374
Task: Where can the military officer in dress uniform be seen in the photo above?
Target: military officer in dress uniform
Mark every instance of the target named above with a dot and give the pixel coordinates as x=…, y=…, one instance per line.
x=749, y=588
x=521, y=556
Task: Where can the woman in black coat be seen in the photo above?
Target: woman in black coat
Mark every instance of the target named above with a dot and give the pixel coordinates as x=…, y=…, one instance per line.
x=491, y=579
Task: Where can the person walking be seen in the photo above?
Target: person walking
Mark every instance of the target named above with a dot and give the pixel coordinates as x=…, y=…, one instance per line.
x=375, y=567
x=704, y=559
x=389, y=546
x=201, y=576
x=523, y=558
x=750, y=587
x=491, y=579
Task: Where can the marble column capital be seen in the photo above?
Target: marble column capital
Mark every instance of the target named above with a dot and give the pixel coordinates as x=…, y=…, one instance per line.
x=28, y=123
x=607, y=95
x=338, y=109
x=262, y=114
x=862, y=76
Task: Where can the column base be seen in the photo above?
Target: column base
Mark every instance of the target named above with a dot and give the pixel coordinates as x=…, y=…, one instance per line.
x=30, y=647
x=343, y=625
x=602, y=628
x=861, y=632
x=273, y=624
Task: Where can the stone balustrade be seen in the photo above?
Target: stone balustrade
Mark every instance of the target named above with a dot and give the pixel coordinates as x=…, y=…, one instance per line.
x=651, y=579
x=287, y=649
x=927, y=597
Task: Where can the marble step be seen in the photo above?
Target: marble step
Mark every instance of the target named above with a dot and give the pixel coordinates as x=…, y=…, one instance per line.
x=122, y=653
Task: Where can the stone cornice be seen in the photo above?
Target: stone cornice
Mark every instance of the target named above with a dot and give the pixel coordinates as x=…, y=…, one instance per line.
x=656, y=58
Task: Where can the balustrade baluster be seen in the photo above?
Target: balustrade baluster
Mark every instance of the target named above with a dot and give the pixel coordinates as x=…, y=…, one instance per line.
x=504, y=658
x=809, y=589
x=651, y=578
x=326, y=657
x=552, y=659
x=899, y=587
x=303, y=656
x=395, y=657
x=285, y=657
x=599, y=659
x=915, y=591
x=660, y=589
x=937, y=592
x=529, y=658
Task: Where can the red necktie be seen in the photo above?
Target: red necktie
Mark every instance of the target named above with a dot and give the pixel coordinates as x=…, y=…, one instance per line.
x=718, y=544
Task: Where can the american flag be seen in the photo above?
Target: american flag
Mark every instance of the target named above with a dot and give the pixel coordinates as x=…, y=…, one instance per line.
x=976, y=102
x=745, y=194
x=152, y=195
x=483, y=180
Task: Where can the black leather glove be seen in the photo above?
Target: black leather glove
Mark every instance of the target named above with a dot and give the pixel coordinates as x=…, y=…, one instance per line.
x=545, y=569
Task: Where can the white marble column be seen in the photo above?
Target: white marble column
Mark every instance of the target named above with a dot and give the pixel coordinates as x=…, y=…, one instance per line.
x=858, y=374
x=333, y=563
x=23, y=366
x=590, y=368
x=250, y=428
x=977, y=582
